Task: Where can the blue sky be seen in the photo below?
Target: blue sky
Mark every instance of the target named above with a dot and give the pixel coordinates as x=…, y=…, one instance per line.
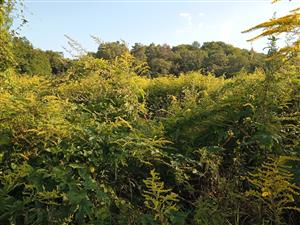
x=146, y=21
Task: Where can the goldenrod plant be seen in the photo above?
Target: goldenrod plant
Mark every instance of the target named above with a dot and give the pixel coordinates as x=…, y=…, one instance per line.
x=105, y=141
x=275, y=190
x=288, y=24
x=159, y=200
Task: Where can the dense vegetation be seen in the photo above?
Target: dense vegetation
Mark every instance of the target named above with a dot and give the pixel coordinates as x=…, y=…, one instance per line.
x=215, y=57
x=101, y=144
x=151, y=61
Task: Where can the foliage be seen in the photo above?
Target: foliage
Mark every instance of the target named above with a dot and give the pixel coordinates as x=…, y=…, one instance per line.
x=77, y=148
x=6, y=56
x=212, y=57
x=110, y=51
x=274, y=190
x=288, y=24
x=207, y=212
x=58, y=63
x=30, y=60
x=223, y=59
x=187, y=58
x=159, y=200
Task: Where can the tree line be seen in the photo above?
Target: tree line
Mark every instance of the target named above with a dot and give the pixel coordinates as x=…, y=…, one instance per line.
x=218, y=58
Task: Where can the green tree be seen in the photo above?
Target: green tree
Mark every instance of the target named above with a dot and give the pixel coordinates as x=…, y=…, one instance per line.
x=58, y=63
x=111, y=50
x=139, y=53
x=6, y=55
x=225, y=59
x=196, y=44
x=216, y=59
x=29, y=60
x=159, y=58
x=187, y=58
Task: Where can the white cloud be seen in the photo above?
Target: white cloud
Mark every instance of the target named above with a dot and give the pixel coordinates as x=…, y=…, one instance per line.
x=187, y=16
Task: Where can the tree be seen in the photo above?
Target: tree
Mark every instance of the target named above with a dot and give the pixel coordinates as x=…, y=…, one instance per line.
x=216, y=57
x=225, y=59
x=160, y=66
x=40, y=64
x=187, y=58
x=58, y=63
x=6, y=56
x=159, y=58
x=29, y=60
x=196, y=44
x=111, y=50
x=139, y=53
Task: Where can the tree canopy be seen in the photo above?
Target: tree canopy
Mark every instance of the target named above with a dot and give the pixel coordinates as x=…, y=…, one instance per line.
x=212, y=57
x=111, y=50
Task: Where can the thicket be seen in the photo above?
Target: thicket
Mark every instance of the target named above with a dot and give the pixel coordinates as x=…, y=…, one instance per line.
x=102, y=145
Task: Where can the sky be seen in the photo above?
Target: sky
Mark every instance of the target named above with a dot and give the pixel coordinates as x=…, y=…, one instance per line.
x=147, y=21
